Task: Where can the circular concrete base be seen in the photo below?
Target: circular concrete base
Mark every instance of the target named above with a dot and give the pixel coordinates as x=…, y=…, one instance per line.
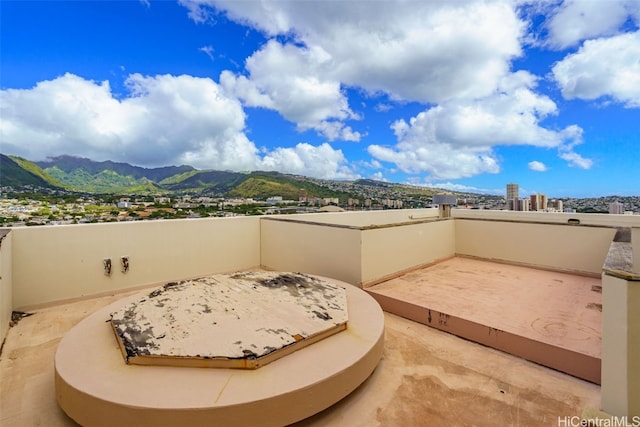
x=96, y=388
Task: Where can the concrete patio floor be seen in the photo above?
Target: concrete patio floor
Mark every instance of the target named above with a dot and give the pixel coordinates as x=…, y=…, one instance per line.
x=426, y=377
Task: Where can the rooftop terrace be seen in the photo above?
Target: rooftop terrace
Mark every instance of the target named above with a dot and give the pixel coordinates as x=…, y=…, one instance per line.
x=58, y=274
x=424, y=374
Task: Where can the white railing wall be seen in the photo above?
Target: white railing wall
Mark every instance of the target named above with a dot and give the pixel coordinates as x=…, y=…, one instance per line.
x=53, y=263
x=311, y=248
x=389, y=251
x=564, y=247
x=6, y=284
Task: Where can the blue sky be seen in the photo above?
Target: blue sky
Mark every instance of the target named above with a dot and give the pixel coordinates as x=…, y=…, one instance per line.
x=465, y=95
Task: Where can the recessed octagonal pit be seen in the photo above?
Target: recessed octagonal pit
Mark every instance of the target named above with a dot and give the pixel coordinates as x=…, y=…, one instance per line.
x=244, y=320
x=274, y=315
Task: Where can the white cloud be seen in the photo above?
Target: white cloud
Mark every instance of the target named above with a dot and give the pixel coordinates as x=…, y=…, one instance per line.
x=414, y=51
x=420, y=51
x=455, y=139
x=577, y=20
x=573, y=136
x=440, y=160
x=511, y=115
x=58, y=115
x=165, y=120
x=291, y=80
x=372, y=164
x=603, y=67
x=197, y=11
x=305, y=159
x=378, y=176
x=465, y=188
x=576, y=160
x=455, y=57
x=537, y=166
x=208, y=50
x=383, y=107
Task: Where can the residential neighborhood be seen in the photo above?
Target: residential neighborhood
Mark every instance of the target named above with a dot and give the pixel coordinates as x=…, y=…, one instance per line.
x=40, y=206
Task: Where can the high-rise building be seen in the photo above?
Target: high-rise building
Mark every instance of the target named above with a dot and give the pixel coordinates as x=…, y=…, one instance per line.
x=538, y=202
x=523, y=205
x=512, y=195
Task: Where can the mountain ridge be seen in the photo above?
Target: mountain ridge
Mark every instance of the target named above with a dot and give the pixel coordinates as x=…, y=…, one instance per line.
x=81, y=174
x=69, y=163
x=18, y=172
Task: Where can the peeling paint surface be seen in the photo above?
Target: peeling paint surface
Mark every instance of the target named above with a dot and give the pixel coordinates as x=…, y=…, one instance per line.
x=241, y=320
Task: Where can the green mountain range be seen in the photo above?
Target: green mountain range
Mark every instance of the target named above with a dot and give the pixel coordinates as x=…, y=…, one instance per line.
x=81, y=175
x=87, y=176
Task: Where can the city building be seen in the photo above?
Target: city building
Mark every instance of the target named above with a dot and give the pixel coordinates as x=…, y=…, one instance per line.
x=523, y=205
x=353, y=203
x=124, y=203
x=274, y=200
x=512, y=196
x=330, y=201
x=616, y=208
x=538, y=202
x=556, y=205
x=479, y=328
